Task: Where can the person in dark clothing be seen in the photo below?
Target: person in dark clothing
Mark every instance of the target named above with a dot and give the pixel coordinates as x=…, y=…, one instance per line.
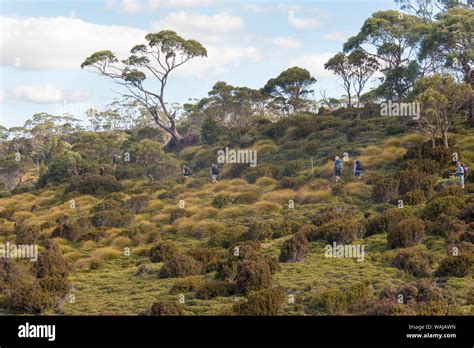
x=358, y=169
x=102, y=170
x=338, y=168
x=214, y=172
x=115, y=161
x=186, y=171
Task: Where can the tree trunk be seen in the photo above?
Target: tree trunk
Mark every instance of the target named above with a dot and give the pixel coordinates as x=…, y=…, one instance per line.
x=445, y=138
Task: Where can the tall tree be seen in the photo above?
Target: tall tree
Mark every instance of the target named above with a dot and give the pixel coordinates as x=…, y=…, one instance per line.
x=339, y=64
x=164, y=52
x=290, y=88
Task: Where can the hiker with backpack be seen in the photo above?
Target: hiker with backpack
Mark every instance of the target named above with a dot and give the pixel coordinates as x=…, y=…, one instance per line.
x=115, y=159
x=186, y=171
x=102, y=170
x=358, y=169
x=214, y=172
x=461, y=172
x=338, y=168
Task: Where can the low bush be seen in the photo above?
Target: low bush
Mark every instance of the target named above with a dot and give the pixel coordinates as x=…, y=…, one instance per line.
x=178, y=266
x=72, y=230
x=246, y=198
x=414, y=261
x=294, y=249
x=259, y=231
x=454, y=266
x=206, y=257
x=215, y=288
x=178, y=213
x=162, y=251
x=266, y=302
x=385, y=221
x=186, y=285
x=137, y=204
x=385, y=189
x=342, y=231
x=94, y=184
x=26, y=234
x=164, y=308
x=112, y=218
x=252, y=275
x=406, y=233
x=447, y=205
x=220, y=201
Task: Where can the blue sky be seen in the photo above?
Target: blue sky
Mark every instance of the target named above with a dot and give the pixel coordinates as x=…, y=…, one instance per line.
x=249, y=42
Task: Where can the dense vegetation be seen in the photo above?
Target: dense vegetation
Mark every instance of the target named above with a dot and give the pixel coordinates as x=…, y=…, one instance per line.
x=121, y=231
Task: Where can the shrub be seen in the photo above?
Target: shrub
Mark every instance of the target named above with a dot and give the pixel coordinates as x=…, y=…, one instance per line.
x=179, y=265
x=26, y=234
x=445, y=225
x=268, y=302
x=452, y=190
x=246, y=198
x=7, y=214
x=164, y=308
x=311, y=232
x=95, y=236
x=294, y=249
x=447, y=205
x=287, y=182
x=342, y=231
x=162, y=252
x=106, y=204
x=215, y=288
x=258, y=231
x=331, y=301
x=185, y=285
x=414, y=197
x=136, y=204
x=468, y=213
x=385, y=190
x=142, y=229
x=414, y=261
x=114, y=218
x=406, y=233
x=206, y=257
x=454, y=266
x=72, y=230
x=386, y=221
x=52, y=271
x=178, y=213
x=220, y=201
x=252, y=275
x=95, y=184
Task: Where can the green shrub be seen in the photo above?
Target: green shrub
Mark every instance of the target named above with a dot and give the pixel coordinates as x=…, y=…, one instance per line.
x=331, y=301
x=112, y=218
x=447, y=205
x=215, y=288
x=72, y=230
x=106, y=204
x=406, y=233
x=186, y=285
x=258, y=231
x=287, y=182
x=26, y=234
x=312, y=232
x=95, y=184
x=468, y=213
x=162, y=251
x=246, y=198
x=414, y=197
x=7, y=214
x=93, y=235
x=206, y=257
x=387, y=220
x=137, y=204
x=266, y=302
x=178, y=213
x=444, y=225
x=252, y=275
x=178, y=266
x=342, y=231
x=385, y=189
x=414, y=261
x=164, y=308
x=452, y=190
x=294, y=249
x=454, y=266
x=220, y=201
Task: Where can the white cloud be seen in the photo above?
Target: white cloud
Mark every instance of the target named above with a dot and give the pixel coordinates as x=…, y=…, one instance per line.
x=314, y=63
x=205, y=28
x=304, y=22
x=43, y=94
x=134, y=6
x=287, y=42
x=60, y=42
x=336, y=36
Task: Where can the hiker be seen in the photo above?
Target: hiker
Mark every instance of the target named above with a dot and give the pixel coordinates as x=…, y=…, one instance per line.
x=115, y=161
x=358, y=169
x=337, y=168
x=214, y=172
x=460, y=172
x=186, y=171
x=102, y=170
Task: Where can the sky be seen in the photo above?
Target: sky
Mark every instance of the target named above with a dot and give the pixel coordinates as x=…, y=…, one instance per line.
x=43, y=43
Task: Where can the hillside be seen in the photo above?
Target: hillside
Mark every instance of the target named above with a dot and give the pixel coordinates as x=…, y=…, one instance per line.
x=255, y=242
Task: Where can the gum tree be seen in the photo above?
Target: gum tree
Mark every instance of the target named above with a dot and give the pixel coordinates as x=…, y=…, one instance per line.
x=164, y=52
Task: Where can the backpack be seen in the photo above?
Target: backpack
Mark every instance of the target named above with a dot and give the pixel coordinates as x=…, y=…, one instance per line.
x=464, y=168
x=358, y=165
x=338, y=165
